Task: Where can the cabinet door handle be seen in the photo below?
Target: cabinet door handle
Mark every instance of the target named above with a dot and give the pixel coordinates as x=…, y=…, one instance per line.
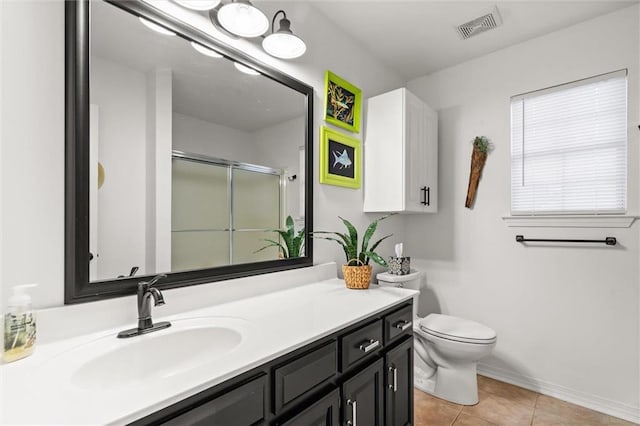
x=394, y=384
x=403, y=325
x=369, y=345
x=424, y=195
x=354, y=413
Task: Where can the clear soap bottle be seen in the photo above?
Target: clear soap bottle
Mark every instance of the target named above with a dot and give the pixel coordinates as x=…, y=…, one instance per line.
x=19, y=325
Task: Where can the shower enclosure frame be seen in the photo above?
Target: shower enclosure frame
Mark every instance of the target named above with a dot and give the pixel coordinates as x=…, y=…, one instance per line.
x=232, y=165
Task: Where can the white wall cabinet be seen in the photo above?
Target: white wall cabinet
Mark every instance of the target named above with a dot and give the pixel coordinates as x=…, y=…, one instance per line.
x=401, y=154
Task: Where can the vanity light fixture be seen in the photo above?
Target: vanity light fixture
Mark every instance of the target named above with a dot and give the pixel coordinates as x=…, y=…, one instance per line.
x=205, y=50
x=155, y=27
x=283, y=44
x=198, y=4
x=245, y=69
x=243, y=19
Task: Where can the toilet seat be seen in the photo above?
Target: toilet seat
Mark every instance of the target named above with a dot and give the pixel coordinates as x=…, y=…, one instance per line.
x=457, y=329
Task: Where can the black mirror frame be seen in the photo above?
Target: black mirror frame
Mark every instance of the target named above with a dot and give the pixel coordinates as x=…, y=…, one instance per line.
x=78, y=289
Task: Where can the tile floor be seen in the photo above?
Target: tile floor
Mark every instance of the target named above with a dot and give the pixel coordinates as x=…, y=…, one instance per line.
x=502, y=404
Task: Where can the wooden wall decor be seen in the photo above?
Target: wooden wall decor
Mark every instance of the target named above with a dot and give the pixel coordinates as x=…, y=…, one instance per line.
x=478, y=158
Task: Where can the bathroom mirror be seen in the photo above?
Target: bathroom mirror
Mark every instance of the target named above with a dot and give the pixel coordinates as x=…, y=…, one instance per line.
x=183, y=155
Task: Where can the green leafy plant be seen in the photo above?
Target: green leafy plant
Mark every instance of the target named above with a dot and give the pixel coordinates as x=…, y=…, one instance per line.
x=349, y=242
x=482, y=143
x=292, y=243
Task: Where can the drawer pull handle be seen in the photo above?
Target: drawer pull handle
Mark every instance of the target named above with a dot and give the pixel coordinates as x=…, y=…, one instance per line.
x=403, y=325
x=354, y=413
x=394, y=385
x=369, y=345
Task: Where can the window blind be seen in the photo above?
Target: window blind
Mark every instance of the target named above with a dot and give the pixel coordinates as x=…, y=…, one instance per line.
x=569, y=148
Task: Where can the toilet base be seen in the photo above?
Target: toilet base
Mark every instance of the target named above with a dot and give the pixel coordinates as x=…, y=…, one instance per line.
x=459, y=385
x=422, y=380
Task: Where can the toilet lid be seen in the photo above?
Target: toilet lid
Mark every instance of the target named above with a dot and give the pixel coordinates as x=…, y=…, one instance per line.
x=458, y=329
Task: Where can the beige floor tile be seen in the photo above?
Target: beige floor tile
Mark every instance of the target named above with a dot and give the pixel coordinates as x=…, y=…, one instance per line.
x=500, y=411
x=508, y=391
x=551, y=411
x=614, y=421
x=431, y=411
x=467, y=420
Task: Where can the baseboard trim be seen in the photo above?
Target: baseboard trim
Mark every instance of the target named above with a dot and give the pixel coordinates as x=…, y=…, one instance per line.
x=593, y=402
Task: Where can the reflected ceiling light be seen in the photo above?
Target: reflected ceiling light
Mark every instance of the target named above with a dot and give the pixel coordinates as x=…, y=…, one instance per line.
x=283, y=43
x=245, y=69
x=205, y=50
x=198, y=4
x=155, y=27
x=242, y=18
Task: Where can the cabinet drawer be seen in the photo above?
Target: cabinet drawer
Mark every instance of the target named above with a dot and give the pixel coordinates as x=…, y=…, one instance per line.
x=398, y=323
x=242, y=406
x=304, y=373
x=360, y=343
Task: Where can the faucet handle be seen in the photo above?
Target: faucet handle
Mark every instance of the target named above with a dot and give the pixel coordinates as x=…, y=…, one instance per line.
x=147, y=284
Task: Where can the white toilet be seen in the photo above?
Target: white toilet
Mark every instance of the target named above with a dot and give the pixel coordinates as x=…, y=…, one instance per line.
x=446, y=349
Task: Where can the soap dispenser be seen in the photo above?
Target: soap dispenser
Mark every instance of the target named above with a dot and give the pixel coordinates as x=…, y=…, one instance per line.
x=19, y=325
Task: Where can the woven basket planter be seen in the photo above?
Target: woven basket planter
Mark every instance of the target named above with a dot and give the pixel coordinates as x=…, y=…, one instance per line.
x=357, y=277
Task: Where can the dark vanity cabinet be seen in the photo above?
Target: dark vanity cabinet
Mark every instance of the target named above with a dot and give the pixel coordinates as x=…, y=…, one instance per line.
x=363, y=398
x=399, y=385
x=361, y=375
x=325, y=412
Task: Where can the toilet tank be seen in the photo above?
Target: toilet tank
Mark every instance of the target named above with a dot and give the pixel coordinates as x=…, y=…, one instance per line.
x=411, y=281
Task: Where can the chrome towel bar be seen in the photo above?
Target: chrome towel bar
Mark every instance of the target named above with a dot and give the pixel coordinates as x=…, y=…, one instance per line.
x=610, y=241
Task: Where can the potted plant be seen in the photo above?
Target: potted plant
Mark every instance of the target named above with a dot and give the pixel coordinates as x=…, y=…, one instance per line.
x=292, y=243
x=357, y=271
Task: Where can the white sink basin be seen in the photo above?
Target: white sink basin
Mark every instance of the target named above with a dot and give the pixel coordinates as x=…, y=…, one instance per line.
x=188, y=344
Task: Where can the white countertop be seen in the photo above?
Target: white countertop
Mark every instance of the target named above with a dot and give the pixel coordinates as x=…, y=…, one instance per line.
x=38, y=389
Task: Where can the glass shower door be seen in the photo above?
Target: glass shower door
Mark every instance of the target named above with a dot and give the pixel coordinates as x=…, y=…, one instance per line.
x=201, y=234
x=256, y=210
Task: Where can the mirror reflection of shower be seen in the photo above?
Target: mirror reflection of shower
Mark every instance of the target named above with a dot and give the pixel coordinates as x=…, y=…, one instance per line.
x=222, y=211
x=153, y=95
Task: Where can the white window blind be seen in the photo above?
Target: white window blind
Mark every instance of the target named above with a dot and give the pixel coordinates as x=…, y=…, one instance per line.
x=569, y=148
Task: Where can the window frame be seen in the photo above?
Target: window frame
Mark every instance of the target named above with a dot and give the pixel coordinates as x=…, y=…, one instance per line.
x=563, y=218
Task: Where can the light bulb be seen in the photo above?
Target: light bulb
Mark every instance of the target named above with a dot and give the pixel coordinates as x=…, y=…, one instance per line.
x=205, y=50
x=245, y=69
x=284, y=45
x=243, y=19
x=198, y=4
x=155, y=27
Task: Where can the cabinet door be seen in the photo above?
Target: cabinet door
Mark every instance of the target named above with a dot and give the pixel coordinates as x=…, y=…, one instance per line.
x=430, y=168
x=242, y=406
x=416, y=189
x=323, y=413
x=363, y=399
x=399, y=385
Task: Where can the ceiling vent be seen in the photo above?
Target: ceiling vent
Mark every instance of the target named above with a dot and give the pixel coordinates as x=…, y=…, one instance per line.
x=479, y=25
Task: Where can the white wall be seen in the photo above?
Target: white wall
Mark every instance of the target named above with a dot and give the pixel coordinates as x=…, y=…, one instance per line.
x=1, y=138
x=159, y=146
x=204, y=137
x=32, y=165
x=120, y=93
x=567, y=317
x=279, y=147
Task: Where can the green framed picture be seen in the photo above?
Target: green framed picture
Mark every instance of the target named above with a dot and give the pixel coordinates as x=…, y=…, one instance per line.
x=342, y=102
x=340, y=159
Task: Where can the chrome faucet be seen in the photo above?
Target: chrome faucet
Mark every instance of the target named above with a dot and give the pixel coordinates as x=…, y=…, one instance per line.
x=146, y=292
